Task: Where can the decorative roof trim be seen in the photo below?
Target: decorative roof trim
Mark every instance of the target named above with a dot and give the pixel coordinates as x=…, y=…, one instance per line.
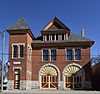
x=52, y=21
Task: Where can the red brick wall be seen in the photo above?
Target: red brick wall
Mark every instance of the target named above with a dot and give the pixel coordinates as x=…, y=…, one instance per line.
x=25, y=64
x=36, y=63
x=60, y=62
x=29, y=63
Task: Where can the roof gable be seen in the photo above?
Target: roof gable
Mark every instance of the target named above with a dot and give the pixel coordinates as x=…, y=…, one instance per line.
x=19, y=24
x=55, y=24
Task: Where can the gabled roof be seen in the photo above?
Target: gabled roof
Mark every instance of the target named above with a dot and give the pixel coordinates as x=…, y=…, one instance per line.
x=55, y=21
x=19, y=24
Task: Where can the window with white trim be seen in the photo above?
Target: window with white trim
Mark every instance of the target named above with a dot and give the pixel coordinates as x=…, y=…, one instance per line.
x=69, y=54
x=21, y=50
x=45, y=55
x=77, y=54
x=49, y=55
x=53, y=54
x=15, y=51
x=18, y=50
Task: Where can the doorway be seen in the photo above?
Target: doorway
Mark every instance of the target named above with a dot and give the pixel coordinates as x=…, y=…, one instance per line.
x=17, y=79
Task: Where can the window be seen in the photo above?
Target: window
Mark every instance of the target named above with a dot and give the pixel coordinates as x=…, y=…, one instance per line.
x=69, y=54
x=47, y=37
x=21, y=50
x=18, y=50
x=45, y=55
x=56, y=36
x=77, y=54
x=53, y=37
x=62, y=36
x=15, y=51
x=53, y=55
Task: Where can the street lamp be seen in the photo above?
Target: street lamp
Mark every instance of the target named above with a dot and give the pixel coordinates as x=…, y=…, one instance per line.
x=3, y=38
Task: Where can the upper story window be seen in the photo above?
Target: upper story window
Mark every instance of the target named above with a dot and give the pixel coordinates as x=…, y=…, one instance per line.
x=73, y=54
x=77, y=54
x=15, y=51
x=49, y=55
x=45, y=55
x=21, y=50
x=69, y=54
x=63, y=37
x=18, y=50
x=47, y=37
x=54, y=37
x=53, y=54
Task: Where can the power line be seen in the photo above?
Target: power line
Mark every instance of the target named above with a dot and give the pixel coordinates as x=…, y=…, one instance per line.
x=48, y=55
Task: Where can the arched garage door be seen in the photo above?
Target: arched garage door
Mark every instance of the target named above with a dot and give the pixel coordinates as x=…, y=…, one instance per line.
x=48, y=78
x=73, y=77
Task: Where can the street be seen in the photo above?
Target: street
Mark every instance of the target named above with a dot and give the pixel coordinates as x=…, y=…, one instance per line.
x=50, y=92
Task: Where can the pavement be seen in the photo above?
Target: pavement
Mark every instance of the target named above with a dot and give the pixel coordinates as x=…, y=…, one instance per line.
x=38, y=91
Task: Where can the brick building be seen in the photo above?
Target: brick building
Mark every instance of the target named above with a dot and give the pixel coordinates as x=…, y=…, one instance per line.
x=58, y=59
x=96, y=76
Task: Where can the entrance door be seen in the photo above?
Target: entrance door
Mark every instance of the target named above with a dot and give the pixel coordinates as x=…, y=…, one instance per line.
x=17, y=79
x=73, y=82
x=49, y=82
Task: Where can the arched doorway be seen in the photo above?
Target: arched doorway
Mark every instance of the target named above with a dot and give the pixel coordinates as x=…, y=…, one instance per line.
x=73, y=77
x=48, y=77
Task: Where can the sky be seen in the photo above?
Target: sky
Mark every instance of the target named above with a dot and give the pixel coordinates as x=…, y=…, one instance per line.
x=76, y=14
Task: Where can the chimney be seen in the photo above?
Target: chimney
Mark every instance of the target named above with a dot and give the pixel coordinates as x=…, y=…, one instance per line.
x=82, y=32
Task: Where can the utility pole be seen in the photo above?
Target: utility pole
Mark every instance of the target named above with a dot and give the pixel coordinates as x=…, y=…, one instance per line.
x=3, y=41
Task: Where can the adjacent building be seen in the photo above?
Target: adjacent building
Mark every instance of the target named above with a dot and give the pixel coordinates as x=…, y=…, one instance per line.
x=96, y=76
x=57, y=59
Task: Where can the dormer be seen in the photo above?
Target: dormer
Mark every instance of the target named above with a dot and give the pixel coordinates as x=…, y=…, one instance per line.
x=55, y=30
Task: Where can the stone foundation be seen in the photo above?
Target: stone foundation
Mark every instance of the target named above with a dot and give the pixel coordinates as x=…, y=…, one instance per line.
x=10, y=85
x=35, y=85
x=60, y=85
x=24, y=85
x=28, y=84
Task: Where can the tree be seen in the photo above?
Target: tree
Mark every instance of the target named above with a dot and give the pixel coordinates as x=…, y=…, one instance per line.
x=95, y=60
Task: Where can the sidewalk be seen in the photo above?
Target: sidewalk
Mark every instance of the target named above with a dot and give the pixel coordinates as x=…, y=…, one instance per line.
x=49, y=92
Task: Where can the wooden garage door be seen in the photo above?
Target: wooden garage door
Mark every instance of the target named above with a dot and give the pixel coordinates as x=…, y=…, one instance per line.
x=73, y=77
x=73, y=82
x=49, y=79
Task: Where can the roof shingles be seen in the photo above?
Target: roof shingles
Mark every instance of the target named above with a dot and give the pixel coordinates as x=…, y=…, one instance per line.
x=72, y=38
x=20, y=24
